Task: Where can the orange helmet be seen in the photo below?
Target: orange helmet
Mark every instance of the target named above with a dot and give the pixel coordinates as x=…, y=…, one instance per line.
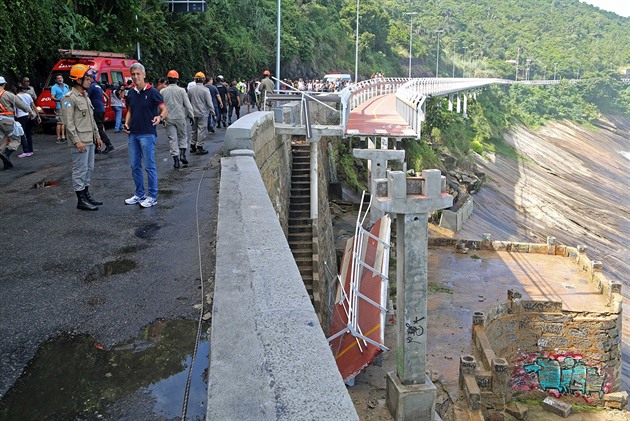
x=80, y=70
x=266, y=73
x=200, y=75
x=173, y=74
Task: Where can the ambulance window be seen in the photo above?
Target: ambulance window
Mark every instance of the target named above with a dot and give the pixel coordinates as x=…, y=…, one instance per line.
x=117, y=77
x=103, y=79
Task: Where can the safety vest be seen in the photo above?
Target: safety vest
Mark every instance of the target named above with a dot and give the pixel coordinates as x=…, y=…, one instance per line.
x=3, y=109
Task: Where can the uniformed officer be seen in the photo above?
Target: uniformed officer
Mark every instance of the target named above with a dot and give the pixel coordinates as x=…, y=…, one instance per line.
x=82, y=133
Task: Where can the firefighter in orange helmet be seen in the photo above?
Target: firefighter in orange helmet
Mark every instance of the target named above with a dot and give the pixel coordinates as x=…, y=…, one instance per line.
x=83, y=137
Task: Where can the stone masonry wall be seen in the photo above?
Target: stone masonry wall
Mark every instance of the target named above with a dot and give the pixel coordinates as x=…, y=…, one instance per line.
x=326, y=254
x=540, y=345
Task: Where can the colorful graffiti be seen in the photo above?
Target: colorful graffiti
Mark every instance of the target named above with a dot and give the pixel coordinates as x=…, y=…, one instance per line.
x=560, y=374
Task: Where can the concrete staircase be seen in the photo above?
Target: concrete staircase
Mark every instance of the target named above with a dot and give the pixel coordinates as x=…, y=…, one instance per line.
x=300, y=223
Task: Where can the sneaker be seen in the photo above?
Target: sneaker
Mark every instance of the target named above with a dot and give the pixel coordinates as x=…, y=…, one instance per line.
x=108, y=149
x=24, y=155
x=135, y=200
x=58, y=142
x=148, y=202
x=64, y=140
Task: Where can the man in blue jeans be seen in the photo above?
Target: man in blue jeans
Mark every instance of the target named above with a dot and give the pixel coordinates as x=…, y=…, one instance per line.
x=145, y=110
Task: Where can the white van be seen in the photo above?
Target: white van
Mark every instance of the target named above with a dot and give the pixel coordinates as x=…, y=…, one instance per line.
x=334, y=77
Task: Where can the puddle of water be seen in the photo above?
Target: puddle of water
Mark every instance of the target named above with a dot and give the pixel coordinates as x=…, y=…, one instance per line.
x=73, y=377
x=116, y=267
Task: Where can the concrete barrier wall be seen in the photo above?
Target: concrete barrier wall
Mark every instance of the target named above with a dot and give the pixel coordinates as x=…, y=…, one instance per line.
x=269, y=358
x=454, y=220
x=255, y=132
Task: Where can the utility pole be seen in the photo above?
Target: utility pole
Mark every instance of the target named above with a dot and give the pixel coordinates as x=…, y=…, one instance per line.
x=437, y=61
x=411, y=15
x=356, y=50
x=278, y=49
x=518, y=57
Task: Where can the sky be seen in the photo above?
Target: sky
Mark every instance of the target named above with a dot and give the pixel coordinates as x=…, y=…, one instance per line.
x=620, y=7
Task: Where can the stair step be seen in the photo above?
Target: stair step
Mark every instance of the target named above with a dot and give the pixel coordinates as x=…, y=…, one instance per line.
x=295, y=229
x=300, y=207
x=301, y=245
x=300, y=221
x=300, y=199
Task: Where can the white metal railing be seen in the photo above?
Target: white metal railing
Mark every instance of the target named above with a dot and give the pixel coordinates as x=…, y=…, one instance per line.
x=350, y=301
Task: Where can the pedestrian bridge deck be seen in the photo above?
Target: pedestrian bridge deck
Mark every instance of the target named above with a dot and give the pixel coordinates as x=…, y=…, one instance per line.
x=378, y=116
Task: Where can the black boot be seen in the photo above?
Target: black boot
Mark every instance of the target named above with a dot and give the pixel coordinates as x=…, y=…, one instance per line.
x=211, y=128
x=108, y=148
x=193, y=148
x=182, y=156
x=89, y=197
x=176, y=162
x=201, y=150
x=6, y=161
x=83, y=203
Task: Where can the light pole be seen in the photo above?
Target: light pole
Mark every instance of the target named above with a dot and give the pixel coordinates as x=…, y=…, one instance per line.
x=464, y=63
x=437, y=61
x=411, y=15
x=278, y=50
x=356, y=49
x=555, y=68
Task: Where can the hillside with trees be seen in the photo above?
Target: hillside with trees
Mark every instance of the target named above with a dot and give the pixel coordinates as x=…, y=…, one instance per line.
x=479, y=38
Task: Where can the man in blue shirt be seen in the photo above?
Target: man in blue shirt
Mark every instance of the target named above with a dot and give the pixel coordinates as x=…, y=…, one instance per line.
x=57, y=92
x=95, y=92
x=145, y=110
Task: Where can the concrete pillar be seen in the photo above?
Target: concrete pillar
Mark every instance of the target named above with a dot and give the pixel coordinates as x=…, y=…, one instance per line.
x=377, y=169
x=384, y=143
x=450, y=102
x=314, y=177
x=459, y=104
x=410, y=393
x=465, y=114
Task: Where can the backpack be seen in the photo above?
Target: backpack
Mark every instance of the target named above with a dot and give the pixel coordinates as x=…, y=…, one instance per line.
x=233, y=94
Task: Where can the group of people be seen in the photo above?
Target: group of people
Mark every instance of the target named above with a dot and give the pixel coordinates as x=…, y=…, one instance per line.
x=206, y=103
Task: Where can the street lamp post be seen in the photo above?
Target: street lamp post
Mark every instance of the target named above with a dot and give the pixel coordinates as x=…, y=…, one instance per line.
x=278, y=50
x=437, y=61
x=555, y=68
x=356, y=49
x=411, y=15
x=464, y=63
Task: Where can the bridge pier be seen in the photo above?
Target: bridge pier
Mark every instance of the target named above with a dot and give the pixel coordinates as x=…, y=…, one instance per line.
x=377, y=170
x=450, y=102
x=465, y=114
x=459, y=104
x=410, y=393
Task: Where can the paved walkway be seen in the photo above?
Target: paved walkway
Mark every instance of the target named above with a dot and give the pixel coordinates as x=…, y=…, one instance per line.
x=378, y=116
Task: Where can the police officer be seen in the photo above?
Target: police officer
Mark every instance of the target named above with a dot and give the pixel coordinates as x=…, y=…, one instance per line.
x=8, y=102
x=82, y=132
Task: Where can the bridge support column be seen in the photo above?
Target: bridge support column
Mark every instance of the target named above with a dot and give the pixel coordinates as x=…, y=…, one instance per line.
x=410, y=393
x=377, y=170
x=459, y=104
x=384, y=143
x=465, y=114
x=450, y=102
x=314, y=177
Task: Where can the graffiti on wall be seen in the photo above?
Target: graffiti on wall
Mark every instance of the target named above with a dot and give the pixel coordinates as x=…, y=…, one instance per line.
x=560, y=374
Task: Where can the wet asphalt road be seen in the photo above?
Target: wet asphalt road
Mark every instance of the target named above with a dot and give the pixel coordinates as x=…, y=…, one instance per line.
x=107, y=273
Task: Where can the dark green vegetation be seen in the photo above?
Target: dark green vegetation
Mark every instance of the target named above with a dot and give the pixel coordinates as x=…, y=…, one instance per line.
x=483, y=38
x=237, y=38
